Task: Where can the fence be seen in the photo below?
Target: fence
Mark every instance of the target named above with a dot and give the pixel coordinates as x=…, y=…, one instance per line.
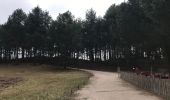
x=160, y=87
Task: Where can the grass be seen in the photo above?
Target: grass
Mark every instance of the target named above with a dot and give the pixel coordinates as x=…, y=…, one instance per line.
x=41, y=82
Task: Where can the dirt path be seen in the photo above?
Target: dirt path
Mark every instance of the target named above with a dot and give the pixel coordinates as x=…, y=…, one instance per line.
x=108, y=86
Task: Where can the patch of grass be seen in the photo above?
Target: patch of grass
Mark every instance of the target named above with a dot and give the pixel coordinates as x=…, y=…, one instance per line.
x=42, y=82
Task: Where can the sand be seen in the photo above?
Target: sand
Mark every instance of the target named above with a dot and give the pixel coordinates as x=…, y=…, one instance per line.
x=108, y=86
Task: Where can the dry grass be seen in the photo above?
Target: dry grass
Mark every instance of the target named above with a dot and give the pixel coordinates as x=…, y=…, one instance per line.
x=41, y=82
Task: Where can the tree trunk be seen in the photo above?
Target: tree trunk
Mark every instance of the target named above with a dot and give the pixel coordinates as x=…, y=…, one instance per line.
x=91, y=55
x=23, y=53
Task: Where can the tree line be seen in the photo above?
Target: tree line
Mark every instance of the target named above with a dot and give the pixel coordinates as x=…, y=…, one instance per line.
x=133, y=33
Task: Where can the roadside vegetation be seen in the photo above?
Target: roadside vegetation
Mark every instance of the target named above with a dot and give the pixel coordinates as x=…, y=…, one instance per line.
x=40, y=82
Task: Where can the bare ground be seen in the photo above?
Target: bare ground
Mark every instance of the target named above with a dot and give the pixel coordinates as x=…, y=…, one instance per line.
x=6, y=82
x=108, y=86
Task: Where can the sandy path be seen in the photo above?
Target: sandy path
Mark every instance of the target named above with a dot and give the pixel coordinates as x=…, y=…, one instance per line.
x=108, y=86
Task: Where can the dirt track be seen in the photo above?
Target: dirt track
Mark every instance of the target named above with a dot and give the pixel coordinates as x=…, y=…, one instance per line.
x=108, y=86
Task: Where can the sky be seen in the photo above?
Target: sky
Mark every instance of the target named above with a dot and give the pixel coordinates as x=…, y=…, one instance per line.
x=77, y=7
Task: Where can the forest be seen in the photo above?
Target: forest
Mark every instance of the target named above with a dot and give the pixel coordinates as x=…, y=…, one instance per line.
x=133, y=33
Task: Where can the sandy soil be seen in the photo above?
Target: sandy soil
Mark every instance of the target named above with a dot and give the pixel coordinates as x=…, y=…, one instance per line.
x=108, y=86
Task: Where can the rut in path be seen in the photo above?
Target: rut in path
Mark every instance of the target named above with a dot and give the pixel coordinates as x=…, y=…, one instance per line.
x=108, y=86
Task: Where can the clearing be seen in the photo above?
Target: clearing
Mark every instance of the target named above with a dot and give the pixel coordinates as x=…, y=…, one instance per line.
x=40, y=82
x=108, y=86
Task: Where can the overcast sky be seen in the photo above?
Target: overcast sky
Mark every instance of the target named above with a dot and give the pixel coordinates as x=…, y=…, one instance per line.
x=77, y=7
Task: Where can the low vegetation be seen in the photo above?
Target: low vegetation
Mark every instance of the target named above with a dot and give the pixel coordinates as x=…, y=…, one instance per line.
x=40, y=82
